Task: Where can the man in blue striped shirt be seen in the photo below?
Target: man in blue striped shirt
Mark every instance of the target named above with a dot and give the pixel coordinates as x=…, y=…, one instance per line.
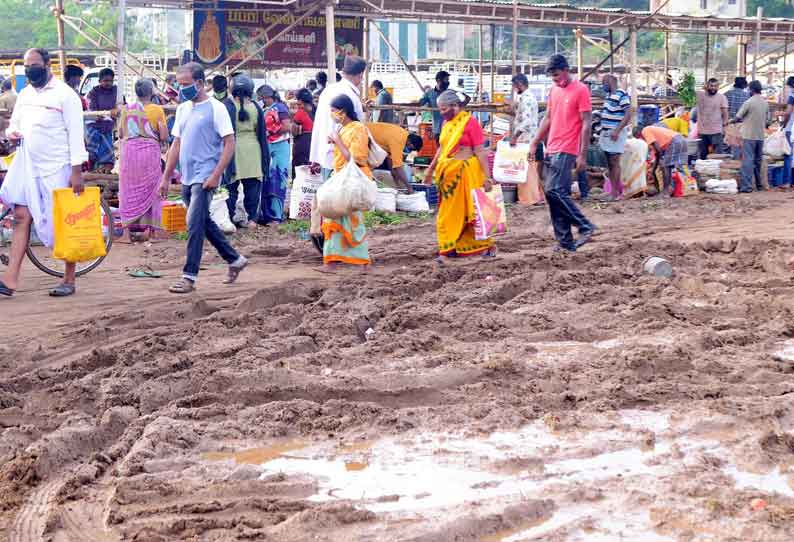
x=615, y=120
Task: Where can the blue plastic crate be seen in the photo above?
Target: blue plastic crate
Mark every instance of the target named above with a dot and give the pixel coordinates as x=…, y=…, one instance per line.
x=775, y=176
x=431, y=193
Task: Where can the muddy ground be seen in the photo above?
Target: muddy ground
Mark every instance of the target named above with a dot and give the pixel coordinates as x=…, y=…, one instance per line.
x=536, y=397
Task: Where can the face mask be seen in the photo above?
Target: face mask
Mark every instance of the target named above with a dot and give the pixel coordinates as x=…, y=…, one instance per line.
x=221, y=95
x=339, y=116
x=37, y=75
x=449, y=114
x=443, y=86
x=188, y=93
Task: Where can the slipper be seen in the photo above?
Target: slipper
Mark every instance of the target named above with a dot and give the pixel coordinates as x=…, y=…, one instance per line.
x=235, y=270
x=182, y=286
x=5, y=290
x=144, y=273
x=63, y=290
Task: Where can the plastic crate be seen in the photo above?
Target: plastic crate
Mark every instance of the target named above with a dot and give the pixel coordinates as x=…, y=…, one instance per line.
x=431, y=193
x=175, y=218
x=775, y=176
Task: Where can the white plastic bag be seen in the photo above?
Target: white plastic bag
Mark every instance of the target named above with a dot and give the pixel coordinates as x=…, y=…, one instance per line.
x=413, y=203
x=511, y=164
x=304, y=187
x=219, y=212
x=347, y=190
x=722, y=186
x=387, y=200
x=240, y=215
x=776, y=145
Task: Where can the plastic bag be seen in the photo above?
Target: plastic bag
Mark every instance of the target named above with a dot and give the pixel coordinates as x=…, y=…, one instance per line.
x=776, y=145
x=219, y=212
x=304, y=187
x=78, y=225
x=490, y=217
x=348, y=190
x=633, y=167
x=511, y=164
x=413, y=203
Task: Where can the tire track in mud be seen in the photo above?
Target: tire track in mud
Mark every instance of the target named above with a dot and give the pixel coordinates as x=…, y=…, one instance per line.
x=32, y=518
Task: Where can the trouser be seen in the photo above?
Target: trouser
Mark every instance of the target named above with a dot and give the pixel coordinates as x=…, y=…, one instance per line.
x=251, y=191
x=751, y=164
x=201, y=226
x=707, y=140
x=787, y=165
x=564, y=212
x=584, y=184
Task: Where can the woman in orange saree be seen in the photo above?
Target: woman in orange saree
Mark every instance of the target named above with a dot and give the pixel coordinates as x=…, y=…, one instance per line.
x=460, y=165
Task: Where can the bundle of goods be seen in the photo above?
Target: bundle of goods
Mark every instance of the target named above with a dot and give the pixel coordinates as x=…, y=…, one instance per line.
x=387, y=200
x=430, y=192
x=304, y=187
x=413, y=203
x=708, y=169
x=776, y=145
x=722, y=186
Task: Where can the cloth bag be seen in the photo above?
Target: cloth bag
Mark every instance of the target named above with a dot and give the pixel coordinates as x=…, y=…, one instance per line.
x=78, y=225
x=511, y=164
x=531, y=192
x=304, y=187
x=348, y=190
x=376, y=154
x=490, y=217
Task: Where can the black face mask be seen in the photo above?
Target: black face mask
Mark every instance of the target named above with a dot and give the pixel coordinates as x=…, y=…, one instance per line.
x=37, y=75
x=442, y=86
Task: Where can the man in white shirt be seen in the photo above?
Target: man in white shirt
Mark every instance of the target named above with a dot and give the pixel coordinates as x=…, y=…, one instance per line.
x=48, y=123
x=204, y=146
x=322, y=152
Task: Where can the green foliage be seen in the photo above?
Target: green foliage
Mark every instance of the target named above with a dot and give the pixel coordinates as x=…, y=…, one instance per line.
x=30, y=23
x=380, y=218
x=686, y=90
x=293, y=226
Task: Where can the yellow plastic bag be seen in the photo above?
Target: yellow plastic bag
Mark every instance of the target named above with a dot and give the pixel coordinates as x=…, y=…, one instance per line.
x=78, y=225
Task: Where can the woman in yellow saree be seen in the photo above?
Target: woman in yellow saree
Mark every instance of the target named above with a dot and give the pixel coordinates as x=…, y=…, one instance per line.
x=460, y=165
x=346, y=237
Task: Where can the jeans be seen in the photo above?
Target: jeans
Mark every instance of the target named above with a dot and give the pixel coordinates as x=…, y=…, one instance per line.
x=787, y=165
x=714, y=140
x=584, y=184
x=564, y=212
x=251, y=190
x=199, y=226
x=751, y=164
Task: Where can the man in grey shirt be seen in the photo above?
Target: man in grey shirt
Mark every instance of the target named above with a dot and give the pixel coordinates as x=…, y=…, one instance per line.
x=382, y=97
x=753, y=114
x=204, y=146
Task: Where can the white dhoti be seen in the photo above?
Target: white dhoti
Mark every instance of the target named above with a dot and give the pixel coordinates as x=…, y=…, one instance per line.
x=23, y=186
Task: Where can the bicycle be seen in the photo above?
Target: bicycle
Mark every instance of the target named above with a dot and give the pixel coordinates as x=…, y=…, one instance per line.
x=41, y=256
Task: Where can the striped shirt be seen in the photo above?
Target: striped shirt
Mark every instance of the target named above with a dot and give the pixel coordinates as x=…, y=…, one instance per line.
x=615, y=107
x=736, y=97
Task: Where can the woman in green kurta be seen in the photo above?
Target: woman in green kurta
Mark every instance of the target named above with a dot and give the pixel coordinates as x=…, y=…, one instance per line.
x=251, y=155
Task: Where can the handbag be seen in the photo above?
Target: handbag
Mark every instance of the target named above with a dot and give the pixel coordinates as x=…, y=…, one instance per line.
x=376, y=155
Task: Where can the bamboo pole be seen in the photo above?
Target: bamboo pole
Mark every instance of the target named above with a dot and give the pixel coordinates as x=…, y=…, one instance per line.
x=480, y=89
x=666, y=61
x=579, y=53
x=633, y=61
x=365, y=45
x=759, y=14
x=59, y=9
x=330, y=41
x=515, y=37
x=706, y=65
x=611, y=48
x=121, y=39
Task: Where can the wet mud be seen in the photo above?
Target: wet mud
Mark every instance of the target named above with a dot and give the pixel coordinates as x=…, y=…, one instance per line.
x=535, y=397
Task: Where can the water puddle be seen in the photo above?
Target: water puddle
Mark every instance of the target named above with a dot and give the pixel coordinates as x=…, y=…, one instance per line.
x=256, y=456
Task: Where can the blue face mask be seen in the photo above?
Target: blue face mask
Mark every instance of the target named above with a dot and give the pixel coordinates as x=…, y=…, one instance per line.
x=188, y=92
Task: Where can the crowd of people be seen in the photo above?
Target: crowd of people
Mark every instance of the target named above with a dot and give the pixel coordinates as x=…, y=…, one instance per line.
x=228, y=133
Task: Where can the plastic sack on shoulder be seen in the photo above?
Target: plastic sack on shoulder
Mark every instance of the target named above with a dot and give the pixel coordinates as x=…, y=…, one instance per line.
x=78, y=225
x=511, y=164
x=490, y=217
x=348, y=190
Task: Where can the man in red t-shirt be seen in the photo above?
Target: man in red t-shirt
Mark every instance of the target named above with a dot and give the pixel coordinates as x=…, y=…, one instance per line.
x=566, y=132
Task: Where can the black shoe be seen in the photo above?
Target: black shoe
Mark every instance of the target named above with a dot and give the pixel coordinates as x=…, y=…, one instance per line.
x=745, y=191
x=585, y=237
x=559, y=249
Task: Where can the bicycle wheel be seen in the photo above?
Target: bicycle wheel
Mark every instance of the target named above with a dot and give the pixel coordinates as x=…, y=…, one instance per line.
x=41, y=256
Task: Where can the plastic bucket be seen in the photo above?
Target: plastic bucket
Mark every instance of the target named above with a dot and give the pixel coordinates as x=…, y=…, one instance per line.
x=658, y=267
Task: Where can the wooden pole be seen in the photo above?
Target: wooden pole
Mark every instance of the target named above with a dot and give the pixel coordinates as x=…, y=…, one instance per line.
x=579, y=53
x=759, y=14
x=365, y=45
x=611, y=48
x=515, y=37
x=480, y=89
x=61, y=37
x=330, y=41
x=633, y=66
x=493, y=62
x=121, y=39
x=666, y=62
x=399, y=56
x=785, y=61
x=706, y=65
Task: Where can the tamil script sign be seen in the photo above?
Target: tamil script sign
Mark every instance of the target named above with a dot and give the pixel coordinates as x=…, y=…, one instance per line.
x=220, y=35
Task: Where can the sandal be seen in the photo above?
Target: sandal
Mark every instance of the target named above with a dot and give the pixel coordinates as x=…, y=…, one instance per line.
x=182, y=286
x=235, y=269
x=145, y=272
x=5, y=290
x=63, y=290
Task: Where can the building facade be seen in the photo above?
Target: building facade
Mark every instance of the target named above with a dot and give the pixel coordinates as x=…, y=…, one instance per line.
x=416, y=41
x=725, y=8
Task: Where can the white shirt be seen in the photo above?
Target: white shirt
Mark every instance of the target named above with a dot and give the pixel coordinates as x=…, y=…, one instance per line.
x=322, y=152
x=50, y=120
